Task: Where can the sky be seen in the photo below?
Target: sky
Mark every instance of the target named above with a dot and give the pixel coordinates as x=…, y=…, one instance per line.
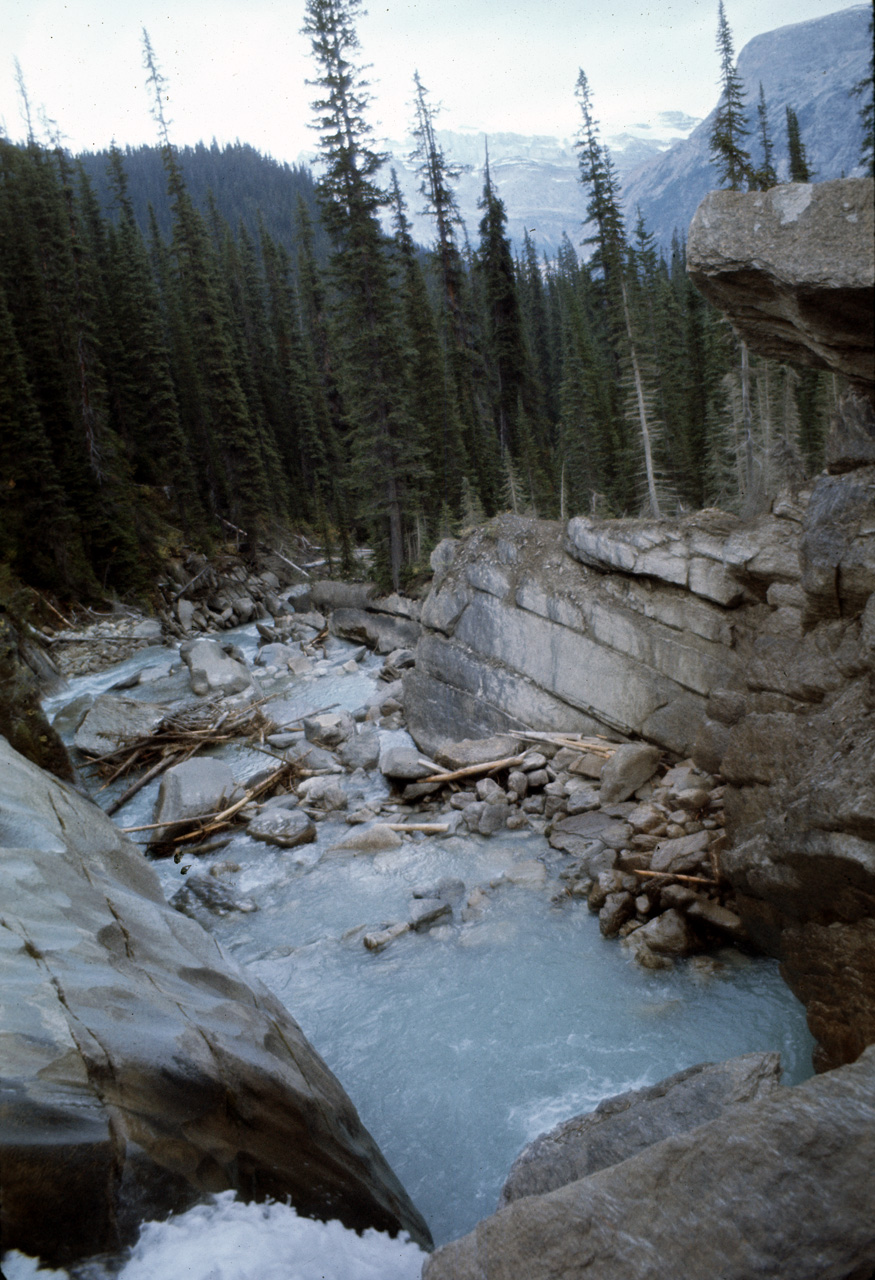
x=238, y=70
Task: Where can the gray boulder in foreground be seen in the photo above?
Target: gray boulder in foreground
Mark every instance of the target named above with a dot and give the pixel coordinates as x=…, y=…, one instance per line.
x=624, y=1125
x=142, y=1068
x=192, y=789
x=780, y=1187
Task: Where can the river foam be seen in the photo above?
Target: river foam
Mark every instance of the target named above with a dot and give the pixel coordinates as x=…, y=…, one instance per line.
x=228, y=1240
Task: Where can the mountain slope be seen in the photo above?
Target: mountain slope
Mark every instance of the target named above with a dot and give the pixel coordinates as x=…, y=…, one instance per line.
x=809, y=66
x=537, y=177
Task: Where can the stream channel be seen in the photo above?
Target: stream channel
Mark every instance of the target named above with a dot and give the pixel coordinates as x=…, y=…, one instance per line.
x=461, y=1044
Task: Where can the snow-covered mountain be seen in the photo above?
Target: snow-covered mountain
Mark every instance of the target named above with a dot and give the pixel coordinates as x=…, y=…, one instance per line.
x=665, y=168
x=537, y=177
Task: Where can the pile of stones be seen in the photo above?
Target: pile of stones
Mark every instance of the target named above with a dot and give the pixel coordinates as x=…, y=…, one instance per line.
x=201, y=595
x=642, y=839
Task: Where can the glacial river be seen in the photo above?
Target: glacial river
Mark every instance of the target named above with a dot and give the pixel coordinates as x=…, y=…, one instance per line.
x=458, y=1045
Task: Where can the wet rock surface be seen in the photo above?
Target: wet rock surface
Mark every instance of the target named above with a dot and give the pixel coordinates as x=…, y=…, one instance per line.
x=142, y=1068
x=622, y=1126
x=779, y=1185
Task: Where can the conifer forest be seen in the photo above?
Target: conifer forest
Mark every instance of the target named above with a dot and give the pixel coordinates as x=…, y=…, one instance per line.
x=182, y=364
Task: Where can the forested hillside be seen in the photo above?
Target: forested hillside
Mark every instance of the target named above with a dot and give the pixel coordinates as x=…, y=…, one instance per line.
x=245, y=185
x=154, y=381
x=164, y=380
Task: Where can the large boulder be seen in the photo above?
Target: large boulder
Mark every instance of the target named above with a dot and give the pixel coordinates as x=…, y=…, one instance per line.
x=622, y=1126
x=381, y=631
x=142, y=1068
x=192, y=789
x=778, y=1186
x=112, y=721
x=794, y=269
x=329, y=594
x=212, y=671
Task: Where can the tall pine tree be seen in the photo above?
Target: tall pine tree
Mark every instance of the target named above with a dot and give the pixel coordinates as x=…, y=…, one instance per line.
x=386, y=449
x=730, y=125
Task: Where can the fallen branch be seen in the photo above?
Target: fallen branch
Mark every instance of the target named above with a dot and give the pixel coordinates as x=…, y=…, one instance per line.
x=183, y=732
x=173, y=758
x=285, y=559
x=594, y=746
x=125, y=765
x=488, y=766
x=146, y=641
x=676, y=875
x=49, y=605
x=182, y=590
x=219, y=820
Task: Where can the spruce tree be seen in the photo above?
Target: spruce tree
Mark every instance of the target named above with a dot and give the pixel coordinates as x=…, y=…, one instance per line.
x=508, y=356
x=323, y=379
x=437, y=175
x=432, y=398
x=144, y=401
x=39, y=535
x=457, y=322
x=730, y=127
x=765, y=176
x=229, y=440
x=597, y=174
x=799, y=169
x=386, y=451
x=865, y=89
x=605, y=210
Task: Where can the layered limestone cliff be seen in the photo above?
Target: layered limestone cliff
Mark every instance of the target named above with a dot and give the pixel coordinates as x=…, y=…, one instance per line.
x=753, y=647
x=750, y=646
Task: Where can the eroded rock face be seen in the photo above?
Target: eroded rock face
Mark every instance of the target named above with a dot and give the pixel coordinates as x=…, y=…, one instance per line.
x=620, y=1127
x=794, y=269
x=777, y=1186
x=141, y=1066
x=520, y=634
x=22, y=720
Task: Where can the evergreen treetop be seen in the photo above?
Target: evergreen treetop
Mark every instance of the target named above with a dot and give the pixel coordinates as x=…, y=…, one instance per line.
x=865, y=89
x=799, y=169
x=730, y=125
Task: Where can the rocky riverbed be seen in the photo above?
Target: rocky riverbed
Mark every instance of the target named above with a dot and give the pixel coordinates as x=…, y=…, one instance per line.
x=640, y=831
x=447, y=918
x=419, y=898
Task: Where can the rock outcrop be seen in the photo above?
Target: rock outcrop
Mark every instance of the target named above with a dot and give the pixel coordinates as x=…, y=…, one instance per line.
x=750, y=645
x=794, y=269
x=141, y=1067
x=779, y=1186
x=22, y=720
x=621, y=624
x=622, y=1126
